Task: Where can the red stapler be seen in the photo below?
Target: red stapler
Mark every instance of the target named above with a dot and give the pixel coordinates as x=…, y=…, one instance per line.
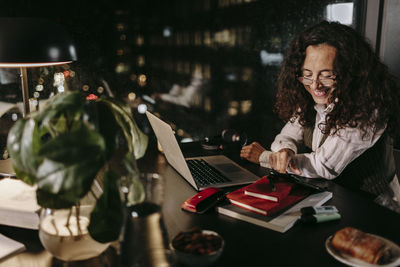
x=203, y=200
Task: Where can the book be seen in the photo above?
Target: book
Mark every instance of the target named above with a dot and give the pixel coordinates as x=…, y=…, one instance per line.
x=280, y=222
x=266, y=207
x=18, y=205
x=263, y=189
x=9, y=247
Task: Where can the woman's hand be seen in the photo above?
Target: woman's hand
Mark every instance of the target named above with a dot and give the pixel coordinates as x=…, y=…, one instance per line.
x=252, y=152
x=280, y=160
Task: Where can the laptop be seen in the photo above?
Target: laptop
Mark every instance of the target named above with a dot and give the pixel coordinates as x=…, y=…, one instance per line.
x=223, y=171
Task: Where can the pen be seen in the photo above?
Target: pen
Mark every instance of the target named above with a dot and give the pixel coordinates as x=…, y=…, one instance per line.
x=271, y=178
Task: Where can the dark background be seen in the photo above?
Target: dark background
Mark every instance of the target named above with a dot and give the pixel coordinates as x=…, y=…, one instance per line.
x=223, y=40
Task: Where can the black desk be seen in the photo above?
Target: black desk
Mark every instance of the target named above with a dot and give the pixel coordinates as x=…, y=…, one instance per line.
x=250, y=245
x=245, y=244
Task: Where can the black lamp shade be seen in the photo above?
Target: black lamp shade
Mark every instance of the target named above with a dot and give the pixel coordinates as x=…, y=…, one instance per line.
x=25, y=41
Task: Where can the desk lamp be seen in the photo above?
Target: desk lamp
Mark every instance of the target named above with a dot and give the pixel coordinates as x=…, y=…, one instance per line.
x=33, y=42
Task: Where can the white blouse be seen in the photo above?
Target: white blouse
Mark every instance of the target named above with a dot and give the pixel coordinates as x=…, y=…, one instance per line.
x=330, y=159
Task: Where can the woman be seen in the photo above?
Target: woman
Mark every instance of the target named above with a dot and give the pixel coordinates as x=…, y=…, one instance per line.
x=341, y=108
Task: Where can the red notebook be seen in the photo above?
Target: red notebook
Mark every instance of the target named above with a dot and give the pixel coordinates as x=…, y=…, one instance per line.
x=266, y=207
x=263, y=189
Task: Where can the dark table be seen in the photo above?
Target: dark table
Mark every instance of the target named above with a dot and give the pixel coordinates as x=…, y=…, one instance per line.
x=250, y=245
x=245, y=244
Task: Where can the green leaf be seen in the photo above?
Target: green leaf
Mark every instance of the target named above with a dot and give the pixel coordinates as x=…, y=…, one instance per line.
x=71, y=162
x=23, y=144
x=136, y=193
x=137, y=140
x=68, y=101
x=69, y=183
x=61, y=113
x=107, y=216
x=74, y=147
x=102, y=119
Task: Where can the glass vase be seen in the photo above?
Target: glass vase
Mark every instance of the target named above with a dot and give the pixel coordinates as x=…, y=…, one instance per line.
x=64, y=233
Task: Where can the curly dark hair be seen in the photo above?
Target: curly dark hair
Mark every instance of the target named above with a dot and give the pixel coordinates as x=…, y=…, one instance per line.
x=368, y=96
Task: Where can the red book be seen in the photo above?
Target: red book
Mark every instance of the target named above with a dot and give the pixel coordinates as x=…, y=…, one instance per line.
x=263, y=189
x=265, y=207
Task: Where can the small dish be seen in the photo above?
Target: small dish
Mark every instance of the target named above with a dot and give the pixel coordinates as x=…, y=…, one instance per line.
x=197, y=247
x=352, y=261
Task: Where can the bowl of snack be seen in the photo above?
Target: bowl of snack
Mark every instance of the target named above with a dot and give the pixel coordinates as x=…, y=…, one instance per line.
x=197, y=247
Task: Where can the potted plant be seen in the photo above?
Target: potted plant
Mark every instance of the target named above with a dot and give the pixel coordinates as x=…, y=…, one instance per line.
x=67, y=146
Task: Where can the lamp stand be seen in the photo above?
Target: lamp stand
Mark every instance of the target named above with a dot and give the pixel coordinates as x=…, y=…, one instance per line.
x=25, y=90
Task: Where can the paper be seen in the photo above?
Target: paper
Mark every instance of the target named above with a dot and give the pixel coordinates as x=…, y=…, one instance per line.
x=9, y=246
x=18, y=205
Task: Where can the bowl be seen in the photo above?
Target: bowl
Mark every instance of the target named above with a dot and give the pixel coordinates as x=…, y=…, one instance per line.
x=197, y=247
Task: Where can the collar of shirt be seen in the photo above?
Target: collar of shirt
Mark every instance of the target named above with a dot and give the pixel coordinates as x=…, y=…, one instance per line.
x=321, y=109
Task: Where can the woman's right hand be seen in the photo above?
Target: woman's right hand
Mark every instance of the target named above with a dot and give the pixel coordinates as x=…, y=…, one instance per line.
x=279, y=161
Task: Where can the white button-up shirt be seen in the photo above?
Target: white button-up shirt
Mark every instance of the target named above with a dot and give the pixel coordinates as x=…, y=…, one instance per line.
x=328, y=160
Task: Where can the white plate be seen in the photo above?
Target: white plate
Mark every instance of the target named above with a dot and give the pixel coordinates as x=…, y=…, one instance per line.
x=351, y=261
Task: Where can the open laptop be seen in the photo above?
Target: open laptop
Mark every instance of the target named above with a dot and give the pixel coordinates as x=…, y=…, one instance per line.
x=224, y=171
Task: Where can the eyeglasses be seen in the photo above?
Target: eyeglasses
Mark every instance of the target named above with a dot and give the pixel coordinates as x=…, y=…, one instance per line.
x=324, y=81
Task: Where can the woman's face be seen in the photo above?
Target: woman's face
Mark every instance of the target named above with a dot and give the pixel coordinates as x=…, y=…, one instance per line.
x=318, y=68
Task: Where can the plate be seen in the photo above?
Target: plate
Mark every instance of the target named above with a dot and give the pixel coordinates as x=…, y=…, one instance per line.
x=352, y=261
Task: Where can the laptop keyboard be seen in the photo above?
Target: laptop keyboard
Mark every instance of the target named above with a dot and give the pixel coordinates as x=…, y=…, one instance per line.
x=205, y=174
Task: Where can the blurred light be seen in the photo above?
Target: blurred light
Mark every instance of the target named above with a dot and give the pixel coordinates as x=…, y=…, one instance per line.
x=270, y=59
x=41, y=81
x=120, y=27
x=60, y=89
x=142, y=80
x=245, y=106
x=230, y=77
x=142, y=108
x=35, y=102
x=54, y=52
x=186, y=140
x=167, y=32
x=140, y=60
x=36, y=94
x=39, y=87
x=340, y=12
x=58, y=79
x=85, y=87
x=92, y=97
x=121, y=68
x=180, y=132
x=131, y=96
x=247, y=74
x=233, y=111
x=14, y=116
x=139, y=40
x=133, y=77
x=100, y=89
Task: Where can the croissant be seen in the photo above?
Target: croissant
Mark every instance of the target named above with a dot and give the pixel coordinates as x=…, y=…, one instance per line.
x=361, y=245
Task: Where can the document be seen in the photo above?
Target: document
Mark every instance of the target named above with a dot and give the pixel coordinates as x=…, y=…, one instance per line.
x=9, y=247
x=18, y=205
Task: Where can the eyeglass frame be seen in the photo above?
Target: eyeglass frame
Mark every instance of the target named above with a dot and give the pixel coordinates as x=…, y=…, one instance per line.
x=318, y=80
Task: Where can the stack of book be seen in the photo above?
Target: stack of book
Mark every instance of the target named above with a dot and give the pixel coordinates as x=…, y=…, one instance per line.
x=275, y=206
